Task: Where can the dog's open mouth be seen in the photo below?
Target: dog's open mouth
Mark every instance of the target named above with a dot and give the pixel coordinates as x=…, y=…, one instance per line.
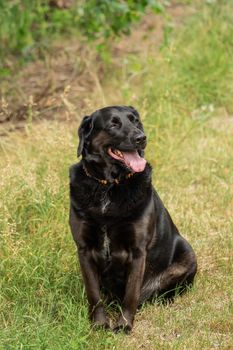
x=131, y=159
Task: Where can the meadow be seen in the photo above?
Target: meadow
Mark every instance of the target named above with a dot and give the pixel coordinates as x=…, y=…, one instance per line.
x=183, y=89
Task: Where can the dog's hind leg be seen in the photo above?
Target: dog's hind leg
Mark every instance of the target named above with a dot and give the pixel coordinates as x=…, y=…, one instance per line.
x=175, y=277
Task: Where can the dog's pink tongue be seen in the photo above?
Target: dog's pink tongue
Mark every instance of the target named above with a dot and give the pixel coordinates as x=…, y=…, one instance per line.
x=134, y=161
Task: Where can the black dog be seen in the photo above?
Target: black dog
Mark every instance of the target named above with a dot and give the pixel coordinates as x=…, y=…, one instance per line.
x=127, y=242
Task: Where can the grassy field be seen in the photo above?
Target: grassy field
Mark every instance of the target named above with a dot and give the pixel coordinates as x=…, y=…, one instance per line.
x=184, y=93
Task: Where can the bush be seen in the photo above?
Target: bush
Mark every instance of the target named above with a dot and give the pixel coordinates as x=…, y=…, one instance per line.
x=26, y=25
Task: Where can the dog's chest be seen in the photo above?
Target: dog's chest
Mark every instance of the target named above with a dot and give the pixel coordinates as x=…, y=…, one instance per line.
x=105, y=202
x=105, y=251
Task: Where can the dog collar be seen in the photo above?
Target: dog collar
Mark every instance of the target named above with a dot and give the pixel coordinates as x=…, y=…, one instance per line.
x=104, y=181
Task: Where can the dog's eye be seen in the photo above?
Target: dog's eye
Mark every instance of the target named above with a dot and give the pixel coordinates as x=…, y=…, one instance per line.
x=132, y=118
x=114, y=126
x=115, y=123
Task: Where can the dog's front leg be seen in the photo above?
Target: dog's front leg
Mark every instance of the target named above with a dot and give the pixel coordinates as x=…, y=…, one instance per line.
x=82, y=234
x=91, y=281
x=132, y=291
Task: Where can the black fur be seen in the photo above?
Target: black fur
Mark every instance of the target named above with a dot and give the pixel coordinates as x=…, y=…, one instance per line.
x=127, y=242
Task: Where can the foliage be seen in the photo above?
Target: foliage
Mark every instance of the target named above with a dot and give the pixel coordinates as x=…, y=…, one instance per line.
x=26, y=25
x=109, y=18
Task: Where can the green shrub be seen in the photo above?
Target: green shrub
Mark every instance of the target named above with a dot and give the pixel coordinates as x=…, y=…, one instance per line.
x=27, y=25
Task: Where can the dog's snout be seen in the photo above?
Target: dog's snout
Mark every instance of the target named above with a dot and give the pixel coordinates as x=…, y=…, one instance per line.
x=141, y=138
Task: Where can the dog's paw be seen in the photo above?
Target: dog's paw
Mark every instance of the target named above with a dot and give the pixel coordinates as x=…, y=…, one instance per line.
x=100, y=320
x=101, y=325
x=123, y=325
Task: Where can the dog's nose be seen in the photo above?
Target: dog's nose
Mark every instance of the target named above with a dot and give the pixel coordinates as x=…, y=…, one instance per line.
x=140, y=139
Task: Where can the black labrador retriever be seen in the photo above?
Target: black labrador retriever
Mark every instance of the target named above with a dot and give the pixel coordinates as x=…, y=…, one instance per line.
x=127, y=243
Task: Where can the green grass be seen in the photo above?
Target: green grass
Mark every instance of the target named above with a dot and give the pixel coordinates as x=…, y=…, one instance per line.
x=184, y=93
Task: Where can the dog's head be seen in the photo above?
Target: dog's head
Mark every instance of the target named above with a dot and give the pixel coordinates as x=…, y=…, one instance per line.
x=114, y=136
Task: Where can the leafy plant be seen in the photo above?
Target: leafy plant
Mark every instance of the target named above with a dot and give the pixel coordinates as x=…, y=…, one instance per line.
x=106, y=18
x=27, y=25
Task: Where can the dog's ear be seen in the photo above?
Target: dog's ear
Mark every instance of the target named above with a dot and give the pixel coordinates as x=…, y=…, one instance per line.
x=83, y=132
